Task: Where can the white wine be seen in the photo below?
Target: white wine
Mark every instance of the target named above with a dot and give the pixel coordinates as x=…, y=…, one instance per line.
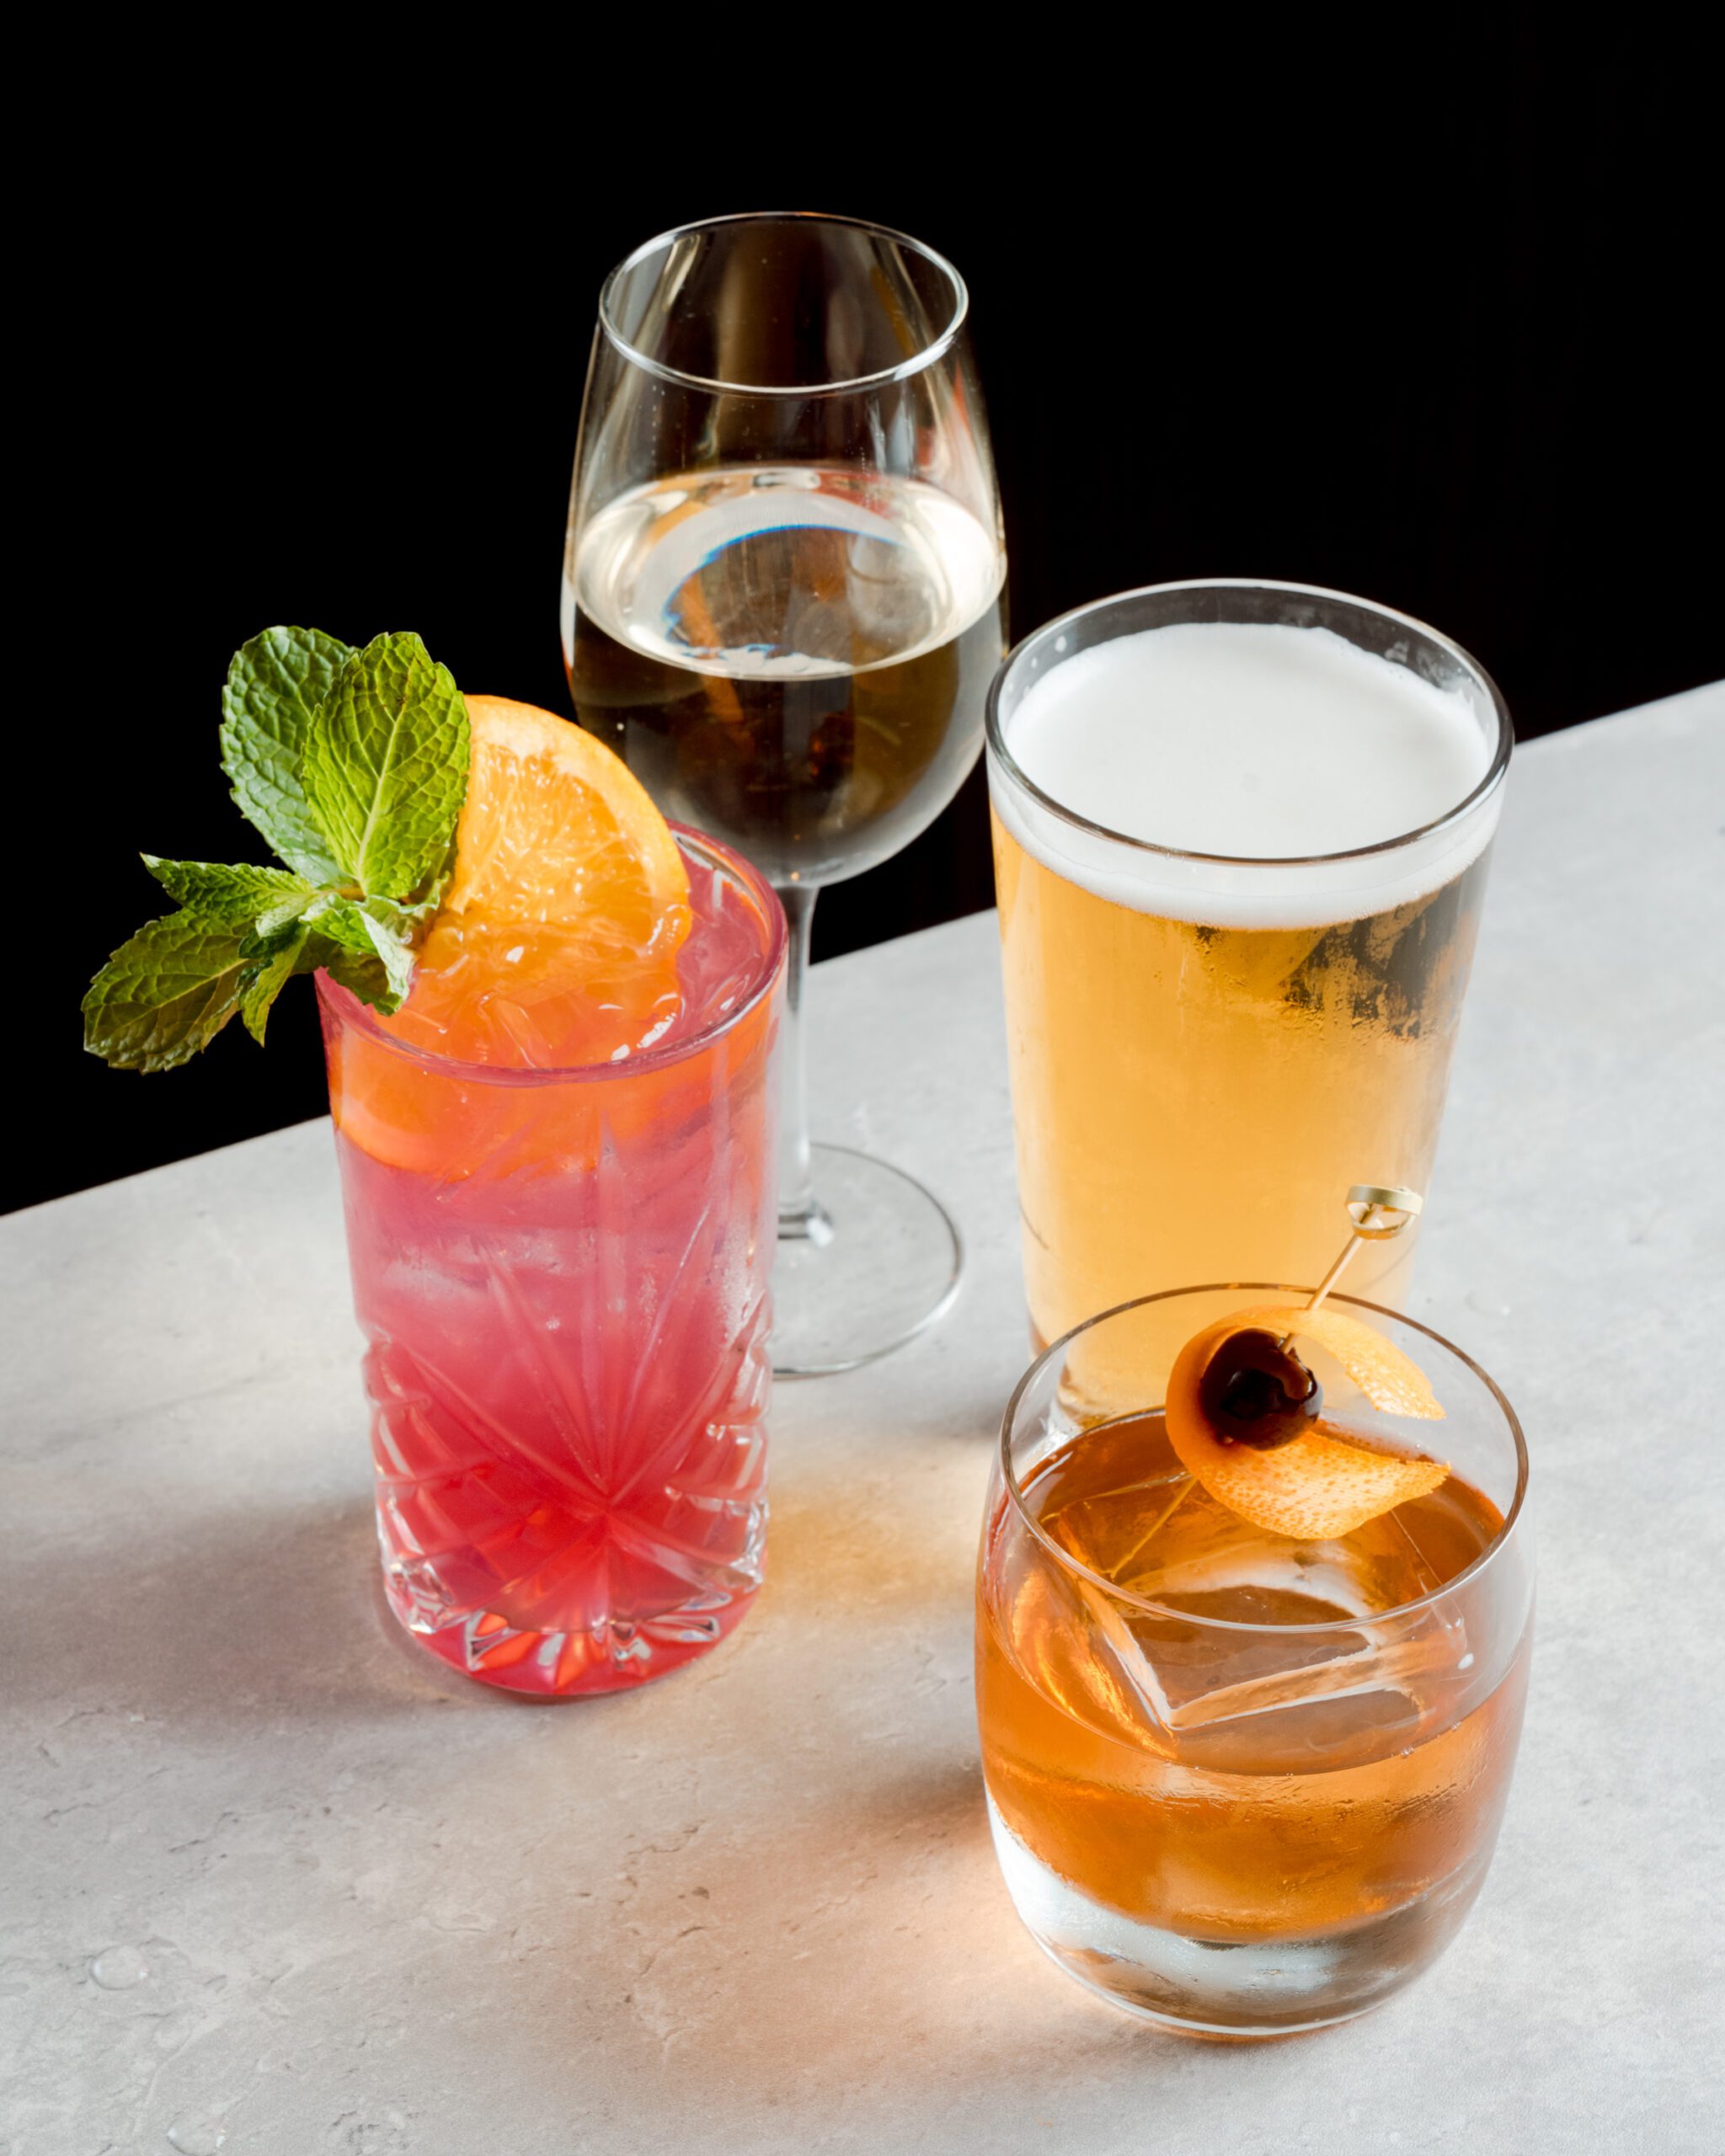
x=793, y=658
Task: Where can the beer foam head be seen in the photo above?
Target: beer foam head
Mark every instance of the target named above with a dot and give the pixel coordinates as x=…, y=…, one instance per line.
x=1261, y=745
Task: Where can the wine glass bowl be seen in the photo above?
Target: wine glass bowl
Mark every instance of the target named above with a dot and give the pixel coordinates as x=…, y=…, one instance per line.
x=793, y=660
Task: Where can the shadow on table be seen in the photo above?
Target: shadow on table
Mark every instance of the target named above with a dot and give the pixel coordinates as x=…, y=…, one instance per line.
x=232, y=1616
x=233, y=1613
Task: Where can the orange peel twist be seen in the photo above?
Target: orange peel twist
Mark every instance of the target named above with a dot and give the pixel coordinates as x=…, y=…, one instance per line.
x=1325, y=1482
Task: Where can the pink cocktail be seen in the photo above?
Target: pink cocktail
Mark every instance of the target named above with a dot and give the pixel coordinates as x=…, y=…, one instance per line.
x=562, y=1276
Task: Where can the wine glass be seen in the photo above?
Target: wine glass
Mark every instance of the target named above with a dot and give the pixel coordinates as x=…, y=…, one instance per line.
x=783, y=605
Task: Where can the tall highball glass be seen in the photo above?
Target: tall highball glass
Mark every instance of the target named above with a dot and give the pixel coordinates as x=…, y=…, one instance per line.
x=1240, y=841
x=561, y=1275
x=783, y=605
x=1240, y=1783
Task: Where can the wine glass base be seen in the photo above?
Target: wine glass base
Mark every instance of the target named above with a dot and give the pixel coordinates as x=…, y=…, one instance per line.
x=877, y=1262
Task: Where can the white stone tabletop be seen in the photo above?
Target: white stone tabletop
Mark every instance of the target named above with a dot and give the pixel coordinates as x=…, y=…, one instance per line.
x=271, y=1882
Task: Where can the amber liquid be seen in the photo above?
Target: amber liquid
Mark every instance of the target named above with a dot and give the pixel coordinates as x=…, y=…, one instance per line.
x=1193, y=1102
x=1248, y=1785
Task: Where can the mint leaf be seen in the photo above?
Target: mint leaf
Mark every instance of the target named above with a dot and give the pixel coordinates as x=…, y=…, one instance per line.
x=385, y=768
x=164, y=994
x=266, y=929
x=263, y=980
x=235, y=896
x=358, y=929
x=361, y=976
x=275, y=685
x=404, y=922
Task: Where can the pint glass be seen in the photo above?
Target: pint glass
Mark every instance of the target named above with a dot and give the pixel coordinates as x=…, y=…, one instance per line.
x=1240, y=838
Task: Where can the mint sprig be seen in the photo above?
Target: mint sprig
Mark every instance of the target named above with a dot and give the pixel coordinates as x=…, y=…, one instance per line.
x=353, y=766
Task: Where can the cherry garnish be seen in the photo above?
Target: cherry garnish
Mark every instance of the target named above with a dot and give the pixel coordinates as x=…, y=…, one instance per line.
x=1257, y=1392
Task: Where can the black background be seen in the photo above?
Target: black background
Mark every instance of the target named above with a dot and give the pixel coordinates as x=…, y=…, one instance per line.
x=1434, y=336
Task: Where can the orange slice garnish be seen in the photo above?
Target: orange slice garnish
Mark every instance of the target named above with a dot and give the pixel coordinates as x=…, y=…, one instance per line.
x=1327, y=1481
x=555, y=946
x=557, y=941
x=557, y=829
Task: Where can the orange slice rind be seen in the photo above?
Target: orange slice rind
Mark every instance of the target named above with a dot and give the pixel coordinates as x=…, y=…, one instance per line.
x=1328, y=1481
x=1393, y=1383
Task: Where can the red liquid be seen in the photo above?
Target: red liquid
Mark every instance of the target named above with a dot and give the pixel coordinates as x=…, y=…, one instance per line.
x=563, y=1282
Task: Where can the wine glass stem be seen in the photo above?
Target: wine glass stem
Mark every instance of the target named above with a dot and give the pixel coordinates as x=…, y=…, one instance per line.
x=800, y=1214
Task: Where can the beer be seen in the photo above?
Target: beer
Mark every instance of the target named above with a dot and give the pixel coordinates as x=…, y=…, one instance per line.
x=794, y=658
x=1235, y=952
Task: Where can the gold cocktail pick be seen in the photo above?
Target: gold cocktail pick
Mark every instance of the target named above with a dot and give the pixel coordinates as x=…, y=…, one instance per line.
x=1377, y=1211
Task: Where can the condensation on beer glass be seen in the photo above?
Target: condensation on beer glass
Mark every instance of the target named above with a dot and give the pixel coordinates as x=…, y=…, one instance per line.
x=1241, y=832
